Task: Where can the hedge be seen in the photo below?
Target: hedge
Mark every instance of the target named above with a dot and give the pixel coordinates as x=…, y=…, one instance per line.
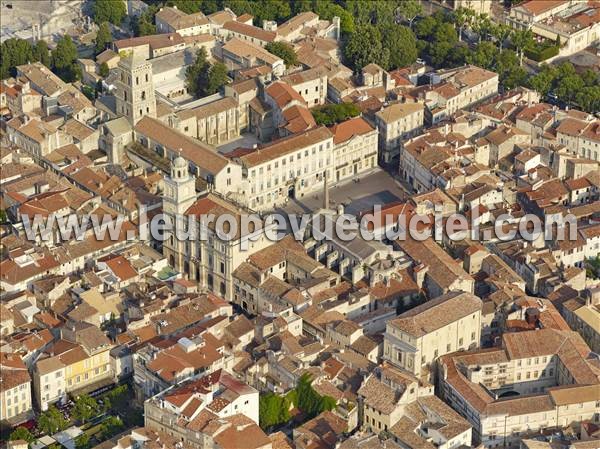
x=541, y=54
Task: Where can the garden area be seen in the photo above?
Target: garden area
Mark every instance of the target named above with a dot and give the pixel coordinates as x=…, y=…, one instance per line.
x=99, y=418
x=592, y=268
x=276, y=411
x=540, y=51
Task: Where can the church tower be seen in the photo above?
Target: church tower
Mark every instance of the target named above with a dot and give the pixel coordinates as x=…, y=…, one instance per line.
x=179, y=195
x=135, y=88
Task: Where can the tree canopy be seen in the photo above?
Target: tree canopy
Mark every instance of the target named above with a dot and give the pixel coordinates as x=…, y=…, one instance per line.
x=21, y=433
x=64, y=60
x=51, y=421
x=112, y=11
x=309, y=401
x=409, y=10
x=103, y=38
x=203, y=78
x=569, y=86
x=285, y=51
x=330, y=114
x=273, y=410
x=15, y=52
x=85, y=408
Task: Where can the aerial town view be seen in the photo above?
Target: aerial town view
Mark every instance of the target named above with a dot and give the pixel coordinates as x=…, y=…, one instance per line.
x=300, y=224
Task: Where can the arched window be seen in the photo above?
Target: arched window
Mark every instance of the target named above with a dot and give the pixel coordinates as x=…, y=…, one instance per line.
x=172, y=261
x=186, y=267
x=222, y=289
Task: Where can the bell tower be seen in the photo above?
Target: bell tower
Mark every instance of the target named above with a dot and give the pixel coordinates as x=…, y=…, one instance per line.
x=179, y=195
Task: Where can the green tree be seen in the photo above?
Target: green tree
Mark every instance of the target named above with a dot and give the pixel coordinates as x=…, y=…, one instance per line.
x=217, y=78
x=543, y=81
x=331, y=114
x=277, y=10
x=424, y=28
x=3, y=216
x=588, y=98
x=510, y=73
x=82, y=441
x=285, y=51
x=41, y=53
x=501, y=32
x=14, y=52
x=463, y=18
x=365, y=46
x=568, y=88
x=196, y=75
x=85, y=408
x=309, y=401
x=111, y=427
x=273, y=410
x=409, y=10
x=103, y=71
x=483, y=26
x=64, y=59
x=51, y=421
x=21, y=433
x=327, y=10
x=521, y=39
x=144, y=25
x=112, y=11
x=401, y=43
x=103, y=37
x=484, y=55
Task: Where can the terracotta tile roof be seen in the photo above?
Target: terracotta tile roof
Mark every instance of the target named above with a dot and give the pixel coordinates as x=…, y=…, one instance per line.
x=379, y=396
x=298, y=119
x=285, y=146
x=33, y=128
x=444, y=270
x=304, y=76
x=397, y=111
x=190, y=149
x=120, y=266
x=178, y=19
x=296, y=22
x=283, y=94
x=348, y=129
x=13, y=371
x=571, y=127
x=209, y=109
x=437, y=313
x=155, y=41
x=248, y=50
x=42, y=77
x=537, y=7
x=250, y=30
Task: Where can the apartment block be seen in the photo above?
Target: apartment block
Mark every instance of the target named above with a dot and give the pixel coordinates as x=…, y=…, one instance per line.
x=355, y=148
x=550, y=377
x=79, y=359
x=397, y=123
x=415, y=339
x=15, y=389
x=288, y=168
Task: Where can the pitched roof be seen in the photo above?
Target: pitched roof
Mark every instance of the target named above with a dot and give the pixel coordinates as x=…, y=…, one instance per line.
x=285, y=146
x=397, y=111
x=437, y=313
x=190, y=149
x=283, y=94
x=347, y=129
x=250, y=30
